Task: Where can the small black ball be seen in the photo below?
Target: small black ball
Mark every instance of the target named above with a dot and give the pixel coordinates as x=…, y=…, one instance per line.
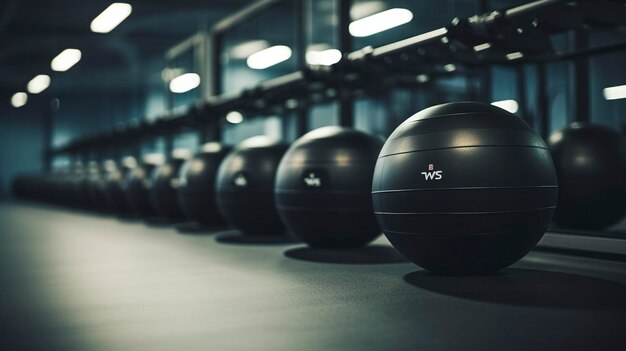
x=114, y=185
x=95, y=183
x=464, y=188
x=245, y=186
x=323, y=188
x=591, y=166
x=196, y=189
x=163, y=184
x=137, y=186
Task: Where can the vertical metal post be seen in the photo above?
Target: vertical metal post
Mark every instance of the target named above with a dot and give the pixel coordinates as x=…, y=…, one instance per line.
x=581, y=78
x=300, y=29
x=302, y=23
x=212, y=131
x=169, y=145
x=47, y=130
x=216, y=64
x=346, y=102
x=543, y=99
x=520, y=78
x=302, y=118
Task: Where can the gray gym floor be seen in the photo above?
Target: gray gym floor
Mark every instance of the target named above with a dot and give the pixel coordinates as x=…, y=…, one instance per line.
x=78, y=281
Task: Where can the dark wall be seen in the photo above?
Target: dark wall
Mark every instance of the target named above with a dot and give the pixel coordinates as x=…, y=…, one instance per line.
x=20, y=144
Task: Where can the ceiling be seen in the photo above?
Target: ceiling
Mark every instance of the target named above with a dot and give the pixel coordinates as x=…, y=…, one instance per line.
x=32, y=32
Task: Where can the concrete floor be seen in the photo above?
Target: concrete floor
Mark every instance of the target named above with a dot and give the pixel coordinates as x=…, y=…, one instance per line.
x=77, y=281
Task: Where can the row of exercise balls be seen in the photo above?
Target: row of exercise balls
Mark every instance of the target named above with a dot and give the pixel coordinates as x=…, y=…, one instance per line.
x=490, y=161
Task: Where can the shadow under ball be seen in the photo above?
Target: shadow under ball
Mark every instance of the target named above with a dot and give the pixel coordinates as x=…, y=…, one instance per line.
x=245, y=186
x=464, y=188
x=323, y=188
x=137, y=186
x=196, y=190
x=591, y=165
x=164, y=182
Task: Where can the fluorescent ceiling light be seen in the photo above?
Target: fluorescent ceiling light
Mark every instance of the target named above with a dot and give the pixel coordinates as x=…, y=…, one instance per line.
x=247, y=48
x=481, y=47
x=38, y=84
x=111, y=17
x=514, y=55
x=168, y=74
x=379, y=22
x=323, y=58
x=234, y=117
x=422, y=78
x=508, y=105
x=19, y=99
x=614, y=93
x=269, y=57
x=449, y=67
x=365, y=8
x=65, y=60
x=184, y=83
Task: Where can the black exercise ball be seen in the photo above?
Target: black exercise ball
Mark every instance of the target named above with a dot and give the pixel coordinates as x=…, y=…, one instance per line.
x=245, y=186
x=137, y=185
x=164, y=180
x=95, y=179
x=591, y=165
x=77, y=187
x=464, y=188
x=114, y=185
x=196, y=189
x=323, y=187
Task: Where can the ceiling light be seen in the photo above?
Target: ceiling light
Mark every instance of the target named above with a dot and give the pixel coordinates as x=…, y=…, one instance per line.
x=65, y=60
x=184, y=83
x=234, y=117
x=247, y=48
x=168, y=74
x=365, y=8
x=269, y=57
x=323, y=58
x=38, y=84
x=449, y=67
x=508, y=105
x=422, y=78
x=111, y=17
x=379, y=22
x=19, y=99
x=481, y=47
x=514, y=55
x=614, y=93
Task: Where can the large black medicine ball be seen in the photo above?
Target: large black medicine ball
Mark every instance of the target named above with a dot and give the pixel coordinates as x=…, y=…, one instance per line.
x=164, y=182
x=464, y=188
x=196, y=189
x=323, y=188
x=591, y=166
x=245, y=186
x=137, y=184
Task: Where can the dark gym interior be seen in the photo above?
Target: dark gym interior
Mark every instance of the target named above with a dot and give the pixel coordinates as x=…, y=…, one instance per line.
x=313, y=174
